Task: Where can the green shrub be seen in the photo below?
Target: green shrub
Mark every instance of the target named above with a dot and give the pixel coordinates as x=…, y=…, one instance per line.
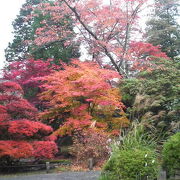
x=171, y=154
x=107, y=176
x=133, y=158
x=131, y=164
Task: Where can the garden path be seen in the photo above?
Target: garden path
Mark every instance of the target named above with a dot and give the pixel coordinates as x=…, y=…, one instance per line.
x=90, y=175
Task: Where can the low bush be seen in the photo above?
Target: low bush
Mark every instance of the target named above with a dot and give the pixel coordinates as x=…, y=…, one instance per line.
x=131, y=164
x=171, y=154
x=90, y=144
x=133, y=158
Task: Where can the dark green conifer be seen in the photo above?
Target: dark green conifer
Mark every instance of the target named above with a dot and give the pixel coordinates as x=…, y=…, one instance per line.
x=24, y=31
x=163, y=29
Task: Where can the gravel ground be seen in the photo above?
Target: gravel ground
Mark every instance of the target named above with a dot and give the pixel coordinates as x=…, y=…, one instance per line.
x=91, y=175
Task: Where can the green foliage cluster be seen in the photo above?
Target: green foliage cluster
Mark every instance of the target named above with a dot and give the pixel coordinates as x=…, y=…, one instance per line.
x=153, y=97
x=22, y=32
x=55, y=49
x=134, y=158
x=131, y=164
x=171, y=154
x=23, y=47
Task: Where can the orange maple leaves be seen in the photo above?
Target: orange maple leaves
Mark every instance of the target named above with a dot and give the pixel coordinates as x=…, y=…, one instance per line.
x=80, y=94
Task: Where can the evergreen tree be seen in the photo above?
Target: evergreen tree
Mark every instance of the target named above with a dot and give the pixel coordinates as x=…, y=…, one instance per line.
x=25, y=26
x=163, y=29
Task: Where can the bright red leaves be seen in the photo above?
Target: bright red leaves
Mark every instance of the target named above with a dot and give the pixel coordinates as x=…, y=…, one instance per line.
x=19, y=128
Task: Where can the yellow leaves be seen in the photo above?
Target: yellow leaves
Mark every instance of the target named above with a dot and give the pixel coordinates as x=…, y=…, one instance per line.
x=115, y=94
x=74, y=76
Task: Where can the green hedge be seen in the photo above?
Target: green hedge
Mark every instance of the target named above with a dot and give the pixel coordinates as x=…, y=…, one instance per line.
x=131, y=164
x=133, y=158
x=171, y=154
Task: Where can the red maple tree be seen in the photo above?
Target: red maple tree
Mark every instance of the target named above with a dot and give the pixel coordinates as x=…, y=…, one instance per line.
x=106, y=30
x=82, y=95
x=25, y=72
x=21, y=134
x=143, y=55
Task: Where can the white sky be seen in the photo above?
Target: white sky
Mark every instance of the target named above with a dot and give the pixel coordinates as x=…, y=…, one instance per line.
x=9, y=9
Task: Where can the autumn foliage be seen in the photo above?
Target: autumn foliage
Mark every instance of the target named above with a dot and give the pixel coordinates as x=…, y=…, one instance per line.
x=90, y=144
x=21, y=135
x=81, y=96
x=107, y=30
x=24, y=73
x=143, y=55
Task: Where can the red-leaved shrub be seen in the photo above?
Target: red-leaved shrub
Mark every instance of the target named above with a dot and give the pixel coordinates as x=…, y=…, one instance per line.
x=22, y=135
x=90, y=144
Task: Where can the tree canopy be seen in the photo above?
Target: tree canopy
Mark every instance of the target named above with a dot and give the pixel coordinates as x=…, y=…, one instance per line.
x=25, y=29
x=163, y=28
x=80, y=95
x=21, y=134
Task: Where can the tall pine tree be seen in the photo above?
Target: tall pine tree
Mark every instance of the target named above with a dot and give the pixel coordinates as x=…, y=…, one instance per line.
x=163, y=29
x=25, y=28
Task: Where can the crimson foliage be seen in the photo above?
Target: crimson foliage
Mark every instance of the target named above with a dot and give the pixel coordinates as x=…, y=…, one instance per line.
x=25, y=72
x=21, y=135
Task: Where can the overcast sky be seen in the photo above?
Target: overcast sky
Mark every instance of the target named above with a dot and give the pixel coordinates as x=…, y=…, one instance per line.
x=9, y=9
